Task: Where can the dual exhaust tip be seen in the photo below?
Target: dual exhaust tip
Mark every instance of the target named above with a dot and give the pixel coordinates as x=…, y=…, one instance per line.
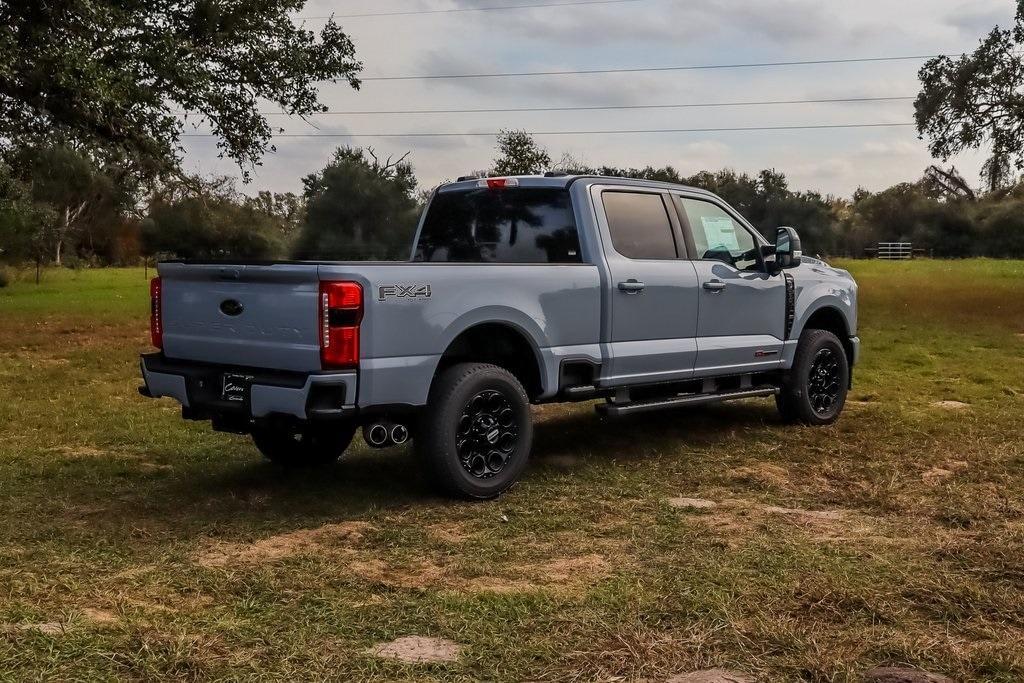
x=384, y=434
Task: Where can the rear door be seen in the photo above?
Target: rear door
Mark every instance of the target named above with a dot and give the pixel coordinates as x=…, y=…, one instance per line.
x=741, y=324
x=651, y=316
x=262, y=316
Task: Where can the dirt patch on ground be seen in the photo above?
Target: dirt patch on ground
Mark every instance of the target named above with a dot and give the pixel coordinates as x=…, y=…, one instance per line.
x=692, y=503
x=420, y=574
x=81, y=451
x=939, y=473
x=418, y=650
x=807, y=515
x=49, y=628
x=556, y=574
x=99, y=617
x=735, y=520
x=951, y=405
x=447, y=533
x=764, y=475
x=281, y=546
x=712, y=676
x=898, y=674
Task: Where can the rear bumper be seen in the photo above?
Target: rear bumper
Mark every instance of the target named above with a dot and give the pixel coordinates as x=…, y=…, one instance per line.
x=197, y=387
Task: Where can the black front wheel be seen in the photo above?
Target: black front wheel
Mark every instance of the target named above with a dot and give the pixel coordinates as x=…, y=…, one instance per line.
x=306, y=446
x=476, y=432
x=815, y=389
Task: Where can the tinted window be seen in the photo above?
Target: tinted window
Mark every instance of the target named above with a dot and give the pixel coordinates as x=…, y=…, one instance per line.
x=524, y=225
x=639, y=225
x=718, y=237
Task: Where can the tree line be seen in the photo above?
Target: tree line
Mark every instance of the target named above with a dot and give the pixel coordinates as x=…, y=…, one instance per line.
x=95, y=96
x=59, y=206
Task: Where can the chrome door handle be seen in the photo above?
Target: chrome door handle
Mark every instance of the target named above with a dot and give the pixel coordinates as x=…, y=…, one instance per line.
x=631, y=286
x=714, y=285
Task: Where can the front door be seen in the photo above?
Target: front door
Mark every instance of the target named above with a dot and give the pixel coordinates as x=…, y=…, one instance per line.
x=651, y=315
x=742, y=318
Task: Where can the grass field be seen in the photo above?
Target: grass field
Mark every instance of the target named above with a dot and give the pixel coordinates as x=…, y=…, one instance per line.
x=135, y=545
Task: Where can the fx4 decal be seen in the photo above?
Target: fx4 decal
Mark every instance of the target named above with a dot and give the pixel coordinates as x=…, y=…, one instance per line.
x=384, y=292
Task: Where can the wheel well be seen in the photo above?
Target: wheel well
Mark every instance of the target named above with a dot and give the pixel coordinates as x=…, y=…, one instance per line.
x=499, y=345
x=829, y=318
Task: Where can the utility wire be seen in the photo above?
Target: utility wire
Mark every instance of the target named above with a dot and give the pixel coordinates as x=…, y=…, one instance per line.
x=510, y=74
x=577, y=132
x=467, y=9
x=611, y=107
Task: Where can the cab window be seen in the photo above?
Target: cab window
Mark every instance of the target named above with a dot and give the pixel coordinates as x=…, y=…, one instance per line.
x=639, y=225
x=718, y=237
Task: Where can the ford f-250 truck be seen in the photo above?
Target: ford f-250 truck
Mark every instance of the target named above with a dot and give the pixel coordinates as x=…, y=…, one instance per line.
x=519, y=290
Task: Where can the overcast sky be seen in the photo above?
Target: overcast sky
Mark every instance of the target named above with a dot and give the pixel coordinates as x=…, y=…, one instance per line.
x=637, y=34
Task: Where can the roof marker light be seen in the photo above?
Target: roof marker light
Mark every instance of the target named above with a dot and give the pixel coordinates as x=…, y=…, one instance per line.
x=497, y=183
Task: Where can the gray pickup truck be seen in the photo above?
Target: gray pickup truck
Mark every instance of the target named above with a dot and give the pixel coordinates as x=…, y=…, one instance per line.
x=518, y=291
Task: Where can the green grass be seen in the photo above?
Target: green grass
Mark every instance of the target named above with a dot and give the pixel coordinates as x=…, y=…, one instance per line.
x=164, y=550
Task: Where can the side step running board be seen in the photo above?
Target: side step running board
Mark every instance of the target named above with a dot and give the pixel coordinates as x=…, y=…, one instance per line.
x=613, y=409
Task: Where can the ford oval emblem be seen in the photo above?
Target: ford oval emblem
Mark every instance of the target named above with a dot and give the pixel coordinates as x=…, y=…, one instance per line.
x=231, y=307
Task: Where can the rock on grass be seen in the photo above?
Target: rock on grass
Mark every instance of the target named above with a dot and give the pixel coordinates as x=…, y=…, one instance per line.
x=899, y=674
x=692, y=503
x=712, y=676
x=418, y=650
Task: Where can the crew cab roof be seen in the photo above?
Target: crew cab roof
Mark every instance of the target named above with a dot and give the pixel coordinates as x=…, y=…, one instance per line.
x=564, y=181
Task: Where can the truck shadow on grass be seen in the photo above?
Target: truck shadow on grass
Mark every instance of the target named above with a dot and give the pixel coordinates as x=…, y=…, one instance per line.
x=565, y=437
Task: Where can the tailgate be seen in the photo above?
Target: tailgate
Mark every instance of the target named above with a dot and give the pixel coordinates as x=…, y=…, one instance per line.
x=262, y=316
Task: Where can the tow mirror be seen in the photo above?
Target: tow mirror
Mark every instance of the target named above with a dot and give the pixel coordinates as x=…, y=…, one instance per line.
x=787, y=249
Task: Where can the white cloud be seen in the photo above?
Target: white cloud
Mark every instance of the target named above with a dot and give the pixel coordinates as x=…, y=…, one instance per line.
x=642, y=34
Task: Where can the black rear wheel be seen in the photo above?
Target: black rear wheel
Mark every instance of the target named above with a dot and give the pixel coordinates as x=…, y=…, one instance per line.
x=306, y=446
x=476, y=431
x=815, y=390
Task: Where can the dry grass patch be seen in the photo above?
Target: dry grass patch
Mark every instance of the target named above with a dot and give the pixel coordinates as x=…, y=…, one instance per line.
x=951, y=405
x=282, y=546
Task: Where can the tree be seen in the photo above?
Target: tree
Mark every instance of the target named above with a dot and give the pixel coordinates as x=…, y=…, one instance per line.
x=81, y=195
x=978, y=99
x=286, y=208
x=22, y=221
x=519, y=154
x=109, y=74
x=218, y=223
x=359, y=208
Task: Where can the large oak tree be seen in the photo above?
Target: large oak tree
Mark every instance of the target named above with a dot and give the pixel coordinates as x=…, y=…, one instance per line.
x=115, y=76
x=978, y=99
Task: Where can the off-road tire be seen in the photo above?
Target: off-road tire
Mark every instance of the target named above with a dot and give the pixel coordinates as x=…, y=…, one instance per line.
x=801, y=398
x=452, y=439
x=310, y=446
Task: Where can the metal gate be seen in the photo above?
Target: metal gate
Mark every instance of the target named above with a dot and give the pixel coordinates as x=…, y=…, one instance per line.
x=895, y=251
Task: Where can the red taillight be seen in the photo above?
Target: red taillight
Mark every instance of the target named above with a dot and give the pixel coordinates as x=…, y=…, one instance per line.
x=341, y=310
x=156, y=319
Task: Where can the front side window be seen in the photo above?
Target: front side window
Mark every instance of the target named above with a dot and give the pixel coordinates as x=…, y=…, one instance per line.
x=718, y=237
x=520, y=225
x=639, y=225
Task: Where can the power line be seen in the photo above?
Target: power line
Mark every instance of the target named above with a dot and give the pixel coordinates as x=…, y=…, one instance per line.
x=611, y=107
x=510, y=74
x=578, y=132
x=468, y=9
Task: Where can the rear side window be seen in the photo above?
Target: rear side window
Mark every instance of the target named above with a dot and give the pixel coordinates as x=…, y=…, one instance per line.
x=639, y=225
x=523, y=225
